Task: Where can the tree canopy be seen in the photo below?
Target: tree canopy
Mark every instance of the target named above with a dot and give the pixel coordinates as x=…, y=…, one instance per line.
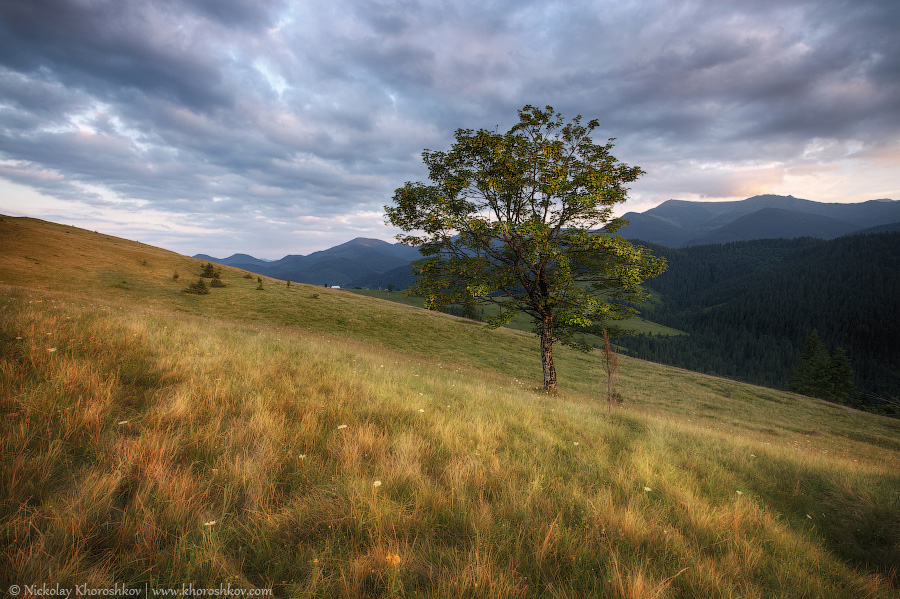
x=514, y=219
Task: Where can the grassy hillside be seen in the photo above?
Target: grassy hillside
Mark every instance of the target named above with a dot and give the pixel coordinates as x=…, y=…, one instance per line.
x=323, y=444
x=522, y=322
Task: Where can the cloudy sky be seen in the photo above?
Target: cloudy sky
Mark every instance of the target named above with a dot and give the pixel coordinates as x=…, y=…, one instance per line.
x=278, y=127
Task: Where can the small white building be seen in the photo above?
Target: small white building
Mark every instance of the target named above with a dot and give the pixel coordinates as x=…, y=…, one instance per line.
x=335, y=286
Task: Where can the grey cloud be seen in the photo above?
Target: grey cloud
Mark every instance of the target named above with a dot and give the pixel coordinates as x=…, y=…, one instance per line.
x=230, y=109
x=244, y=14
x=107, y=46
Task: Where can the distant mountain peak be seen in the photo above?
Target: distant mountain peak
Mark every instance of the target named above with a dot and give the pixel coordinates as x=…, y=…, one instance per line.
x=676, y=223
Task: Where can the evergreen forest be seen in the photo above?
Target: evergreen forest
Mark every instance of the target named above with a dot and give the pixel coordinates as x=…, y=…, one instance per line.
x=750, y=307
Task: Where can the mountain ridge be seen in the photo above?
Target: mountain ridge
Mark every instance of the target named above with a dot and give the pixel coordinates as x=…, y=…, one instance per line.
x=359, y=260
x=681, y=223
x=368, y=262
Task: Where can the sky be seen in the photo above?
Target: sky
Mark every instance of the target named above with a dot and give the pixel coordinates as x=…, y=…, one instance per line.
x=275, y=127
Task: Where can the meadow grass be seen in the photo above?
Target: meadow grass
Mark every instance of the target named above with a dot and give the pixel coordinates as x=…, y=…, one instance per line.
x=522, y=322
x=341, y=446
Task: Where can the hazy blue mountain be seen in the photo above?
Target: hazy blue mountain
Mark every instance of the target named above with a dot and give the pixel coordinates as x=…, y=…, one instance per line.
x=777, y=223
x=350, y=263
x=888, y=228
x=678, y=223
x=400, y=278
x=235, y=260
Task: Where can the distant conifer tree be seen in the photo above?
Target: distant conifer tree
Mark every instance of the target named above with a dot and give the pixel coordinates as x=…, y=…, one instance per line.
x=809, y=376
x=217, y=282
x=841, y=375
x=818, y=374
x=198, y=288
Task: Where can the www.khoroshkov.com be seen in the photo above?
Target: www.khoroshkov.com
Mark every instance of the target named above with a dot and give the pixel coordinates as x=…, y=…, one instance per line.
x=120, y=590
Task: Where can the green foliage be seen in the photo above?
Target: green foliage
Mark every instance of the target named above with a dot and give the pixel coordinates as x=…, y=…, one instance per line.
x=217, y=279
x=508, y=219
x=810, y=373
x=198, y=288
x=840, y=372
x=818, y=374
x=209, y=271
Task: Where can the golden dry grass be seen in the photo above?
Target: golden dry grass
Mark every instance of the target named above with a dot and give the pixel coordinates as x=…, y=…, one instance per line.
x=347, y=447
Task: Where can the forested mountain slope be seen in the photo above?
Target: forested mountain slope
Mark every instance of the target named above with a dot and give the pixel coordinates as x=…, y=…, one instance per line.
x=749, y=306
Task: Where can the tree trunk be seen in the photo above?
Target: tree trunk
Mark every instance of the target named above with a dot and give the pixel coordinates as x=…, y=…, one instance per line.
x=547, y=354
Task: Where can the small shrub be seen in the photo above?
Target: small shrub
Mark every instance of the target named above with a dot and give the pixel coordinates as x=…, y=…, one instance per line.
x=209, y=271
x=217, y=279
x=260, y=286
x=198, y=288
x=175, y=276
x=248, y=276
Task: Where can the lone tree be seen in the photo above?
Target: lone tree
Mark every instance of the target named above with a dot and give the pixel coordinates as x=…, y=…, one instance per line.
x=512, y=219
